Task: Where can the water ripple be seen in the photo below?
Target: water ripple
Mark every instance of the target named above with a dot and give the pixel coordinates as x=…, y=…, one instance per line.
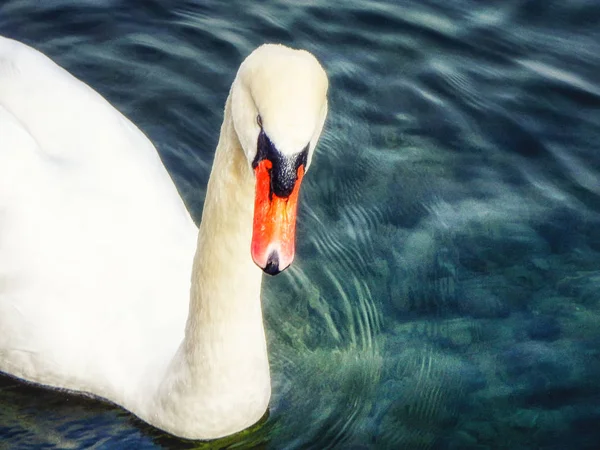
x=448, y=243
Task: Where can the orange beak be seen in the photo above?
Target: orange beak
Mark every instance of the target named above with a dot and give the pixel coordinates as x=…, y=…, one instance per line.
x=274, y=230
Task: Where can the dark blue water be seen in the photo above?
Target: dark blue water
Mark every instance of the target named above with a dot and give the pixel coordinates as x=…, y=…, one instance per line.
x=446, y=293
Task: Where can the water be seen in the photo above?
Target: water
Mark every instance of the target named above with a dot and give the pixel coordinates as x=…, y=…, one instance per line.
x=446, y=288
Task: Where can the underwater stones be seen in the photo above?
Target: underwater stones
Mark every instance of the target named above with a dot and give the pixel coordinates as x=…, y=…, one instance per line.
x=478, y=302
x=436, y=296
x=541, y=263
x=536, y=365
x=543, y=328
x=429, y=391
x=514, y=286
x=406, y=192
x=462, y=440
x=582, y=286
x=460, y=333
x=482, y=430
x=581, y=324
x=593, y=236
x=340, y=398
x=488, y=246
x=419, y=245
x=380, y=269
x=559, y=229
x=424, y=276
x=453, y=333
x=545, y=302
x=524, y=418
x=540, y=424
x=494, y=332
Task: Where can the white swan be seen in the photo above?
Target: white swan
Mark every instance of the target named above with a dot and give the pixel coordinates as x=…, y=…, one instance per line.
x=96, y=246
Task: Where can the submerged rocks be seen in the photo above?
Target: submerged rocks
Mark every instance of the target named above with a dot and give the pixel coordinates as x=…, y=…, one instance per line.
x=544, y=328
x=479, y=302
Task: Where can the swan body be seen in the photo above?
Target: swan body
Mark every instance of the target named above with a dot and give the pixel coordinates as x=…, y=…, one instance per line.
x=106, y=285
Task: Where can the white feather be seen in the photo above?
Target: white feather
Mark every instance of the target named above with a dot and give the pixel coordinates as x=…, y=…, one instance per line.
x=97, y=247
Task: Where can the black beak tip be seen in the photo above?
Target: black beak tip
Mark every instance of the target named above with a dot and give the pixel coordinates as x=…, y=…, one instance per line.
x=272, y=267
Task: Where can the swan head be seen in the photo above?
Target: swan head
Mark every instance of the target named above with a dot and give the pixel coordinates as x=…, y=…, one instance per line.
x=278, y=107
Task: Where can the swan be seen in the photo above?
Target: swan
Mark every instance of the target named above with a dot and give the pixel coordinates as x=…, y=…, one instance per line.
x=107, y=287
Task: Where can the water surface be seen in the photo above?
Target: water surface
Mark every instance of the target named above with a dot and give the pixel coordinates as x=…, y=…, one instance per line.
x=446, y=288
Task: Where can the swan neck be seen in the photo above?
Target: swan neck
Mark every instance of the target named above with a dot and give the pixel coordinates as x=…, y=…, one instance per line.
x=225, y=280
x=221, y=370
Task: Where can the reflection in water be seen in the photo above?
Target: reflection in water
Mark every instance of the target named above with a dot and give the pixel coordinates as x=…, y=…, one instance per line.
x=445, y=288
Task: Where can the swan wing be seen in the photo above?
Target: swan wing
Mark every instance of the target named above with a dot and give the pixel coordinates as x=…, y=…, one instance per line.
x=95, y=242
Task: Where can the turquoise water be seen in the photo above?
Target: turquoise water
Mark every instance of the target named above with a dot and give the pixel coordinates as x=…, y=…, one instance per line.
x=446, y=292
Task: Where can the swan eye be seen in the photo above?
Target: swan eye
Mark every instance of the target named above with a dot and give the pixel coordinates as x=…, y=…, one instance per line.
x=259, y=121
